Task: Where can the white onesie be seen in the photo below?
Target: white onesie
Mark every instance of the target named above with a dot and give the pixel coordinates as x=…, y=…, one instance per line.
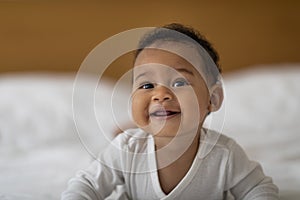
x=127, y=170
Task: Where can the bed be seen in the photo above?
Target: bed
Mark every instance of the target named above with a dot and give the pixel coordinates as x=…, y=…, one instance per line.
x=40, y=148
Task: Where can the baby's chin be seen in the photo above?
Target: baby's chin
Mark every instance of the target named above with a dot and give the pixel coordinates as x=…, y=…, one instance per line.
x=171, y=130
x=167, y=131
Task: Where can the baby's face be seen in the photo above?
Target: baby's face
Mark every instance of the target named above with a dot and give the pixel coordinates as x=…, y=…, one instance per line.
x=168, y=95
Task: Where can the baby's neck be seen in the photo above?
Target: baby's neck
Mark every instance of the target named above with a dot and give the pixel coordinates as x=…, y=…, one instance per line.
x=172, y=164
x=171, y=149
x=174, y=142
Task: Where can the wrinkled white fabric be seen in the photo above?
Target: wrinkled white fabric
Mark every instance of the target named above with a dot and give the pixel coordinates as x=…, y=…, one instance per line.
x=224, y=173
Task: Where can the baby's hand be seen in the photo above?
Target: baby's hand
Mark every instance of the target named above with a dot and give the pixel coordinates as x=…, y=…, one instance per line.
x=124, y=127
x=118, y=193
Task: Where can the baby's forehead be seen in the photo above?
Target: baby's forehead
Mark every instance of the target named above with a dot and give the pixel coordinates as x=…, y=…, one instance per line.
x=155, y=69
x=187, y=51
x=172, y=68
x=169, y=56
x=191, y=52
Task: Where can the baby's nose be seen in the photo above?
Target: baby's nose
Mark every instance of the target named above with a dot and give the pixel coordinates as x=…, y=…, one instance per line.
x=161, y=94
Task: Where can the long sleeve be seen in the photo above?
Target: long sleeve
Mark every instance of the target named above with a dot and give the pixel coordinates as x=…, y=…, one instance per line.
x=96, y=183
x=101, y=180
x=246, y=179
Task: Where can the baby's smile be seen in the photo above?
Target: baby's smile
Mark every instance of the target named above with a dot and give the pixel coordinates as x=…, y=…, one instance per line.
x=161, y=113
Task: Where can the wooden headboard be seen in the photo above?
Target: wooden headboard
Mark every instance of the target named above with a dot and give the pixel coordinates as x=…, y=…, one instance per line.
x=52, y=35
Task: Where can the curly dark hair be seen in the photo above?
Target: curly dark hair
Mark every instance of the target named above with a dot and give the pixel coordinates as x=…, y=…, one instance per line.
x=188, y=34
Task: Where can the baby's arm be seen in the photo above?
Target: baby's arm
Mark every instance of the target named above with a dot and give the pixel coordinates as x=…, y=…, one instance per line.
x=246, y=179
x=102, y=179
x=97, y=182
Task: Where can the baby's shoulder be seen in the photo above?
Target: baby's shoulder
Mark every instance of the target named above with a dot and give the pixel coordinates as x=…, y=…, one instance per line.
x=219, y=140
x=133, y=140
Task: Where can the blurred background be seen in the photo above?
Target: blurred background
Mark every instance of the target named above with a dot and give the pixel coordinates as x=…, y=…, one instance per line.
x=56, y=35
x=44, y=42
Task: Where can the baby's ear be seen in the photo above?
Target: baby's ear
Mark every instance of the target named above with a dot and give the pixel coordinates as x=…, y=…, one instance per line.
x=216, y=97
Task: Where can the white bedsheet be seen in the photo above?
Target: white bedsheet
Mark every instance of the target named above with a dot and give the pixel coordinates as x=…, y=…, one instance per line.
x=40, y=149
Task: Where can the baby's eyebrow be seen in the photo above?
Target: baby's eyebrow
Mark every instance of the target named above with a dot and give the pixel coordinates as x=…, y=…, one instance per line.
x=185, y=71
x=140, y=75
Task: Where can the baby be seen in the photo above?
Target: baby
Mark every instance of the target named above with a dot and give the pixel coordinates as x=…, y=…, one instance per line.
x=176, y=85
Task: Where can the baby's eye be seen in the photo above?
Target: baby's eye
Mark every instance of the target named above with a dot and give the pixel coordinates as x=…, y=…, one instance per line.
x=180, y=83
x=147, y=86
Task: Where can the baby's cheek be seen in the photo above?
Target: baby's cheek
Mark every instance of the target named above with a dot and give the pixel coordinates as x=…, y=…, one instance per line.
x=192, y=108
x=139, y=111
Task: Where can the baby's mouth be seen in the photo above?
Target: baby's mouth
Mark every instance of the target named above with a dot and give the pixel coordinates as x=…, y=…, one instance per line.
x=164, y=114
